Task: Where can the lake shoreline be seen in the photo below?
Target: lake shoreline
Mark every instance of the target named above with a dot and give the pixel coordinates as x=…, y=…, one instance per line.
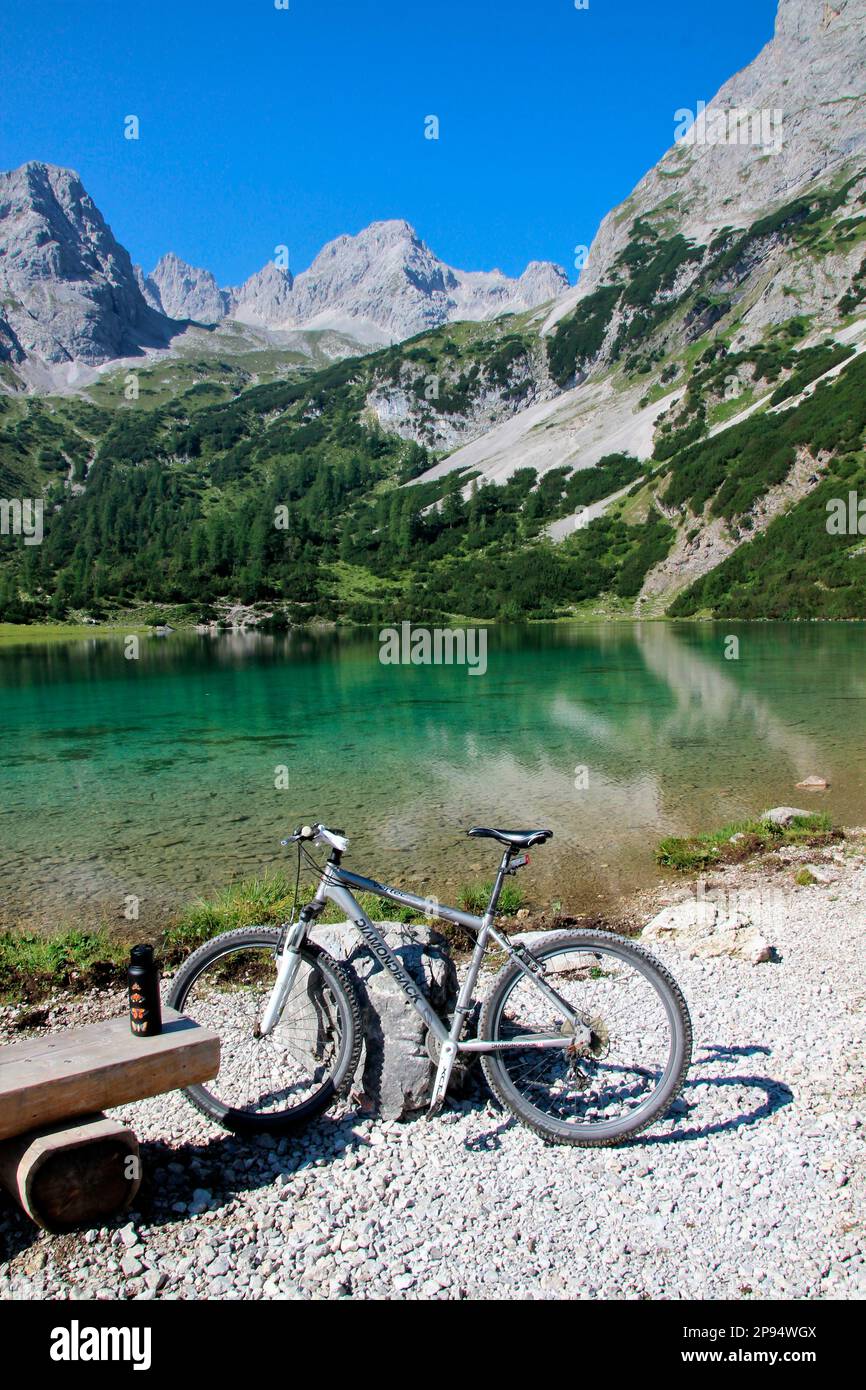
x=138, y=776
x=34, y=965
x=20, y=634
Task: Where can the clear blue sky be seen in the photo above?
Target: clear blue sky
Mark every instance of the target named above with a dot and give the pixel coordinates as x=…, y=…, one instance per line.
x=262, y=127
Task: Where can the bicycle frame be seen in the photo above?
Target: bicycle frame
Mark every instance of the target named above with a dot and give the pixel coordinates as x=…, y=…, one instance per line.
x=337, y=883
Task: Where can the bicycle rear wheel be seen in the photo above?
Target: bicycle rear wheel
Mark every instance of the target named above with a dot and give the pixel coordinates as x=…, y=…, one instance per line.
x=278, y=1083
x=636, y=1063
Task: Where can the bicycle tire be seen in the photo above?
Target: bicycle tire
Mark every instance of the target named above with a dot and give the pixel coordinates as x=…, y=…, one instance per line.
x=606, y=1133
x=341, y=985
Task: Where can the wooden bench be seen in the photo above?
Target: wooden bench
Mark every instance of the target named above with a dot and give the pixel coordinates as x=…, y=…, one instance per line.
x=64, y=1160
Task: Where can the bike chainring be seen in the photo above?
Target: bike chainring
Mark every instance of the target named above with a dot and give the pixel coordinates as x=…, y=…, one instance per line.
x=463, y=1062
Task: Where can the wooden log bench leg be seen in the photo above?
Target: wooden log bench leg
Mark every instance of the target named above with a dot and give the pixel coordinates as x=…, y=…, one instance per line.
x=73, y=1174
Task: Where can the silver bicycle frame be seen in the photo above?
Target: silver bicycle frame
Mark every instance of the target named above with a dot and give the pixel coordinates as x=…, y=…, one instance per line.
x=336, y=883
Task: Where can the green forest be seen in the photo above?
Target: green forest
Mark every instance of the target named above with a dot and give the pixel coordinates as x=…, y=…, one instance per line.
x=796, y=568
x=289, y=493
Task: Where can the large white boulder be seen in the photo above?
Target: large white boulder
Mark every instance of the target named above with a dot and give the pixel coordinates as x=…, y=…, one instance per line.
x=699, y=927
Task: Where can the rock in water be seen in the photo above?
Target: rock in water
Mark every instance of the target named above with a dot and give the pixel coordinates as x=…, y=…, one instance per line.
x=397, y=1072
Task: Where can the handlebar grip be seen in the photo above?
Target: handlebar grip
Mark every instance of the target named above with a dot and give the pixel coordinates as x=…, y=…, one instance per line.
x=303, y=832
x=335, y=838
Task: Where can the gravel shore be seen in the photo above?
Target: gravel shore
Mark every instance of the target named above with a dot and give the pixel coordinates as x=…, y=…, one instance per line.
x=752, y=1189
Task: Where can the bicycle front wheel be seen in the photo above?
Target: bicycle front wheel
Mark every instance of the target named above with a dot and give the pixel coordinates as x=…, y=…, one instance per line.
x=635, y=1064
x=274, y=1084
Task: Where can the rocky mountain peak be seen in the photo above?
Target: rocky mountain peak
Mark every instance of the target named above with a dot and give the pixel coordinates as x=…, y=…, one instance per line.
x=68, y=288
x=70, y=293
x=384, y=282
x=184, y=291
x=264, y=299
x=793, y=118
x=540, y=281
x=57, y=228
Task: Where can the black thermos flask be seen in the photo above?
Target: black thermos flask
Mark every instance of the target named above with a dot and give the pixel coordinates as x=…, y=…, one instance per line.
x=145, y=1011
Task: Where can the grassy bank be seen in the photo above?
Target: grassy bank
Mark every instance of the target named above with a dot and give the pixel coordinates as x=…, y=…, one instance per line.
x=743, y=840
x=19, y=634
x=32, y=965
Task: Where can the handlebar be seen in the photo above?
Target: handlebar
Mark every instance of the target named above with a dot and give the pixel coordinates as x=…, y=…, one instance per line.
x=320, y=835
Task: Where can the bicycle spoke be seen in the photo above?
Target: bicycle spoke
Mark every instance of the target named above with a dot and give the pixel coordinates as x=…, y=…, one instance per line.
x=630, y=1046
x=262, y=1075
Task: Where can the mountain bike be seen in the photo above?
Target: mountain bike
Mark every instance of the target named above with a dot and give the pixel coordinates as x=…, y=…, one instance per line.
x=583, y=1035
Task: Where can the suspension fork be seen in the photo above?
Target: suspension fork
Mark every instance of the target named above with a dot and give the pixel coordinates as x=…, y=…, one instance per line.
x=289, y=960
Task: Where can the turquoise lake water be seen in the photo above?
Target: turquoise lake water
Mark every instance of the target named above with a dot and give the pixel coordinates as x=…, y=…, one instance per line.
x=156, y=777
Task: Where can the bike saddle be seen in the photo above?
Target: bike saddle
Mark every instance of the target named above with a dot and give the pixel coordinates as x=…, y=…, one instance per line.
x=517, y=839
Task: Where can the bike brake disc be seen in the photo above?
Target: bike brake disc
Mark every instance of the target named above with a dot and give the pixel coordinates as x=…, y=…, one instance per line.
x=599, y=1041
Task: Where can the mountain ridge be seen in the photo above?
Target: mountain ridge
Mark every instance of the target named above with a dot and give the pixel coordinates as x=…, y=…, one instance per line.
x=384, y=277
x=665, y=441
x=70, y=297
x=824, y=46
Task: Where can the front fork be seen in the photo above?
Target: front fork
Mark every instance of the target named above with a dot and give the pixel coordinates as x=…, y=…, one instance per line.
x=287, y=970
x=289, y=960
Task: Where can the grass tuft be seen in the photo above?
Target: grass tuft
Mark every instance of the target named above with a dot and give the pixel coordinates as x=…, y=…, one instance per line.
x=31, y=964
x=474, y=898
x=734, y=843
x=264, y=901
